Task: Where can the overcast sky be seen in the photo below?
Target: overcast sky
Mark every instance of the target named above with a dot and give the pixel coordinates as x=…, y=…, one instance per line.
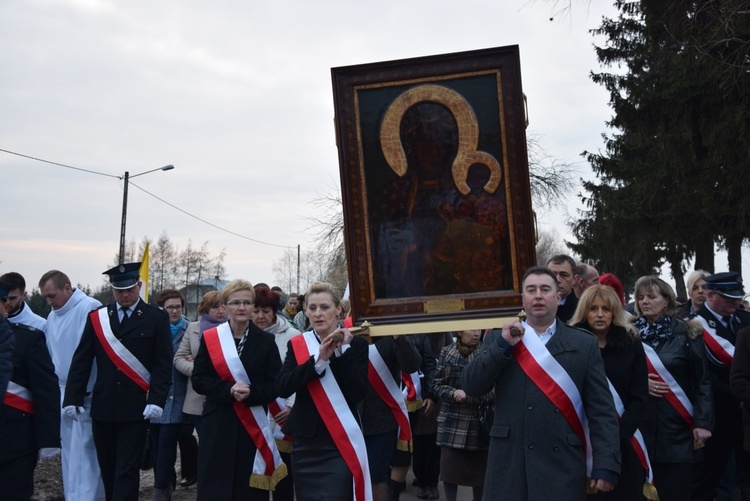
x=237, y=96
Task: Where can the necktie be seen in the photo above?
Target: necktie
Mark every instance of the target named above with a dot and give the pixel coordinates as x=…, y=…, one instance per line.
x=125, y=317
x=728, y=321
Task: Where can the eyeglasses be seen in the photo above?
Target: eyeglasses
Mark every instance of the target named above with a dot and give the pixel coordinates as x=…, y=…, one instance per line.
x=173, y=308
x=237, y=304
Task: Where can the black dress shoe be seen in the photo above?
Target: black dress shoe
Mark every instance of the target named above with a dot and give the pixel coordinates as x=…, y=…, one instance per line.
x=187, y=482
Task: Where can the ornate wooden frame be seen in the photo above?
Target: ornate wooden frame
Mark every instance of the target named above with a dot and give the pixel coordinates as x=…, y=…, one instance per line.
x=413, y=236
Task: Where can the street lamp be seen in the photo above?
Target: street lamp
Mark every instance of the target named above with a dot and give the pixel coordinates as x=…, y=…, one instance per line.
x=126, y=179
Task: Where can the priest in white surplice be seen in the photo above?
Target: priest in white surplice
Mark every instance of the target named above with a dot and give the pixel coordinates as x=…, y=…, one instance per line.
x=70, y=308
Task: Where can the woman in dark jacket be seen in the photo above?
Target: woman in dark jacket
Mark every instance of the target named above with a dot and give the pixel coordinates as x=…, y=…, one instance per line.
x=600, y=311
x=332, y=364
x=674, y=445
x=463, y=453
x=227, y=451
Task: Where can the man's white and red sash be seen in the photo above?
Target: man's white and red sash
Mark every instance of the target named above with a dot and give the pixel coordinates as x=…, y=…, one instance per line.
x=117, y=352
x=338, y=418
x=554, y=381
x=636, y=441
x=721, y=349
x=388, y=390
x=19, y=398
x=675, y=395
x=412, y=390
x=283, y=442
x=268, y=469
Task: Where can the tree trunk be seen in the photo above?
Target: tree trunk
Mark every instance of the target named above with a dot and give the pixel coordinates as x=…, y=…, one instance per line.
x=734, y=253
x=704, y=253
x=678, y=273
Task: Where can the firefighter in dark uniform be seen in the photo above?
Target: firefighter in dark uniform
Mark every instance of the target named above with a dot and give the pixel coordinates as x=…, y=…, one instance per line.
x=720, y=312
x=30, y=414
x=131, y=343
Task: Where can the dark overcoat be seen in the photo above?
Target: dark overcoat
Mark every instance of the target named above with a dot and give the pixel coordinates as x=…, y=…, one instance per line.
x=740, y=379
x=226, y=449
x=22, y=433
x=534, y=452
x=116, y=397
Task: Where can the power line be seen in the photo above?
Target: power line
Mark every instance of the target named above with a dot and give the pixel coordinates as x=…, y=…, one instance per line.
x=151, y=194
x=61, y=165
x=210, y=223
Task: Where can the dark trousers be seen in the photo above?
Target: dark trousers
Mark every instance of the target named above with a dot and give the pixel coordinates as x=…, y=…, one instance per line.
x=425, y=460
x=727, y=438
x=164, y=438
x=119, y=450
x=672, y=480
x=17, y=477
x=188, y=451
x=285, y=489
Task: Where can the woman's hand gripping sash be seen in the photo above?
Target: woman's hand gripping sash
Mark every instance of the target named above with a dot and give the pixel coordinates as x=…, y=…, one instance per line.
x=675, y=395
x=117, y=352
x=412, y=391
x=639, y=446
x=283, y=442
x=388, y=390
x=552, y=379
x=19, y=398
x=720, y=350
x=268, y=469
x=337, y=417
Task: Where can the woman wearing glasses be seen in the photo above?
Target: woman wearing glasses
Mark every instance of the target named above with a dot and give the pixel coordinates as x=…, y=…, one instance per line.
x=235, y=368
x=165, y=429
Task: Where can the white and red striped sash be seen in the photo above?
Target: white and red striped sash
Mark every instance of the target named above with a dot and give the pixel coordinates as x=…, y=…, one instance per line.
x=675, y=395
x=268, y=469
x=283, y=442
x=19, y=398
x=722, y=350
x=117, y=352
x=337, y=417
x=557, y=385
x=412, y=390
x=388, y=390
x=636, y=441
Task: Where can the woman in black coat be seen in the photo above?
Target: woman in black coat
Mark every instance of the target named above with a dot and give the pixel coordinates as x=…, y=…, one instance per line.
x=320, y=471
x=600, y=311
x=674, y=447
x=227, y=452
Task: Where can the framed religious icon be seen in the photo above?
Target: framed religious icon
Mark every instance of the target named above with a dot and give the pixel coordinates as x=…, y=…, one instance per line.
x=435, y=187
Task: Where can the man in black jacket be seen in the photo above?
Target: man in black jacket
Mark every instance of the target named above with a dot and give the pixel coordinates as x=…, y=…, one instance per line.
x=131, y=343
x=30, y=414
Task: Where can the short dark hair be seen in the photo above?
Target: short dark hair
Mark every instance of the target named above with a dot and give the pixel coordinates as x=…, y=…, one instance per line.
x=15, y=280
x=168, y=294
x=59, y=279
x=560, y=259
x=267, y=298
x=540, y=270
x=581, y=269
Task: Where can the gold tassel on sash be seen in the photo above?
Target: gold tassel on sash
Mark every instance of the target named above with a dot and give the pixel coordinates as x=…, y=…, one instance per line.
x=283, y=445
x=269, y=483
x=403, y=445
x=414, y=406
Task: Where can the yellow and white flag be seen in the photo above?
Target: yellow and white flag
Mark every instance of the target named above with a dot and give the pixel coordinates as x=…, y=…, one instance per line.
x=143, y=272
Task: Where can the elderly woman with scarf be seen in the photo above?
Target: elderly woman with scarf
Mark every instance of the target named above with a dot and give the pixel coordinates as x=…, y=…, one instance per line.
x=675, y=350
x=164, y=430
x=264, y=315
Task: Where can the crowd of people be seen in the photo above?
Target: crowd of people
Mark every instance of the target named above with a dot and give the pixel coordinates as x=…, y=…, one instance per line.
x=584, y=396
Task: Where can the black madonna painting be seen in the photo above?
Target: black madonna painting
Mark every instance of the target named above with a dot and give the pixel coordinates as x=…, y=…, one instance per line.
x=435, y=185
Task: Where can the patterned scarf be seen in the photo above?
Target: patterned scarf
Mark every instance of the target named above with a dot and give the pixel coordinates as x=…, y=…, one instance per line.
x=656, y=333
x=465, y=350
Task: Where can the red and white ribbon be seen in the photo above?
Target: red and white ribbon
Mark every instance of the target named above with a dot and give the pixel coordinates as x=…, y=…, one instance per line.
x=283, y=442
x=117, y=352
x=675, y=394
x=268, y=469
x=555, y=382
x=721, y=349
x=388, y=390
x=412, y=390
x=639, y=445
x=19, y=398
x=338, y=418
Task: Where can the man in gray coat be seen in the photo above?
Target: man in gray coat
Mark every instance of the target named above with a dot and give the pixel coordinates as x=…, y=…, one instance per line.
x=535, y=453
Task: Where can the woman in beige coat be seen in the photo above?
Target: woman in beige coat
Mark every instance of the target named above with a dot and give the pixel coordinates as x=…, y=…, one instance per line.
x=212, y=313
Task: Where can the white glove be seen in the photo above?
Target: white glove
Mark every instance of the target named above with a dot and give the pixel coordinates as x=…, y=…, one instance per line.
x=72, y=412
x=152, y=412
x=48, y=453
